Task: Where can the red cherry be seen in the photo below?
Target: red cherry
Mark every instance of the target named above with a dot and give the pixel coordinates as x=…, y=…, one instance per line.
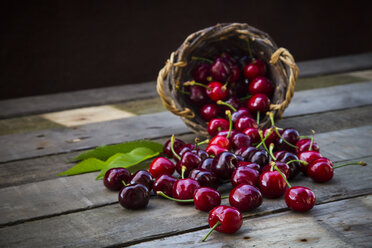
x=258, y=103
x=308, y=156
x=226, y=132
x=245, y=197
x=304, y=145
x=161, y=166
x=272, y=184
x=178, y=144
x=255, y=155
x=209, y=111
x=188, y=160
x=240, y=113
x=224, y=164
x=261, y=85
x=320, y=170
x=142, y=177
x=244, y=122
x=217, y=91
x=272, y=136
x=217, y=125
x=206, y=164
x=244, y=175
x=184, y=189
x=220, y=70
x=235, y=74
x=253, y=134
x=240, y=140
x=201, y=73
x=205, y=178
x=283, y=167
x=114, y=177
x=206, y=198
x=214, y=150
x=164, y=184
x=250, y=165
x=254, y=69
x=300, y=198
x=134, y=196
x=221, y=141
x=198, y=96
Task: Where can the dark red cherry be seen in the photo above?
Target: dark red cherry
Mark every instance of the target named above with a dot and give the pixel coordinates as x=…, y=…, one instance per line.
x=244, y=122
x=214, y=150
x=164, y=184
x=221, y=141
x=285, y=157
x=217, y=91
x=303, y=145
x=308, y=156
x=134, y=196
x=233, y=101
x=226, y=132
x=255, y=155
x=209, y=111
x=245, y=197
x=272, y=136
x=188, y=160
x=253, y=135
x=201, y=153
x=300, y=198
x=224, y=164
x=261, y=85
x=206, y=198
x=240, y=140
x=250, y=165
x=142, y=177
x=240, y=113
x=217, y=125
x=185, y=188
x=161, y=166
x=254, y=69
x=205, y=178
x=220, y=70
x=283, y=167
x=230, y=219
x=227, y=58
x=235, y=74
x=272, y=184
x=114, y=177
x=258, y=103
x=185, y=148
x=198, y=96
x=178, y=144
x=201, y=73
x=206, y=164
x=320, y=170
x=244, y=175
x=290, y=135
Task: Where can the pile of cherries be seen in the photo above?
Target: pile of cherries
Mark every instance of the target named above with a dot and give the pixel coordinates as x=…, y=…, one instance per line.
x=258, y=163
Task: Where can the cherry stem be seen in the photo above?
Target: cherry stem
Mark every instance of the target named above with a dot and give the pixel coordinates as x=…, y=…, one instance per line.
x=271, y=115
x=284, y=177
x=219, y=102
x=202, y=59
x=362, y=163
x=183, y=172
x=225, y=197
x=172, y=148
x=312, y=140
x=198, y=84
x=228, y=113
x=123, y=182
x=258, y=118
x=245, y=98
x=173, y=199
x=263, y=139
x=271, y=148
x=211, y=230
x=250, y=50
x=184, y=92
x=202, y=142
x=300, y=161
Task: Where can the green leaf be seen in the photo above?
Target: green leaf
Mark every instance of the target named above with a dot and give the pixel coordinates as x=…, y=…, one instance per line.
x=105, y=152
x=130, y=160
x=88, y=165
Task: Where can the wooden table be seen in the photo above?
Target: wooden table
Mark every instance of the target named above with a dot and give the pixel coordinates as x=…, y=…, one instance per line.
x=39, y=135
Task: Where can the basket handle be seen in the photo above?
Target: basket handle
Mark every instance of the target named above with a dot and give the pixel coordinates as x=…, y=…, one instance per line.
x=167, y=102
x=287, y=58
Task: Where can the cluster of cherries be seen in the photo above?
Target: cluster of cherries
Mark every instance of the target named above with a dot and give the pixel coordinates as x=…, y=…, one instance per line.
x=257, y=163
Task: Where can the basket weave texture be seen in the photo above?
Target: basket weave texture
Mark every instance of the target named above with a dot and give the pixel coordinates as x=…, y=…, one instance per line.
x=211, y=41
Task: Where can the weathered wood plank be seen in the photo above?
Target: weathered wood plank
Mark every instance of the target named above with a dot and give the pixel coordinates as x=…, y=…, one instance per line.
x=46, y=167
x=346, y=223
x=60, y=140
x=112, y=225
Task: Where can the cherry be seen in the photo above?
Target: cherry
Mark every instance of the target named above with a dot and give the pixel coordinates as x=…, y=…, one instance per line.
x=161, y=166
x=209, y=111
x=240, y=140
x=186, y=148
x=244, y=175
x=258, y=103
x=244, y=122
x=303, y=145
x=203, y=155
x=308, y=157
x=254, y=69
x=235, y=74
x=320, y=170
x=201, y=73
x=114, y=177
x=261, y=85
x=142, y=177
x=206, y=164
x=205, y=178
x=255, y=155
x=224, y=164
x=224, y=219
x=253, y=134
x=227, y=58
x=285, y=157
x=164, y=184
x=206, y=198
x=300, y=198
x=214, y=150
x=188, y=160
x=198, y=96
x=250, y=165
x=289, y=138
x=271, y=136
x=220, y=70
x=272, y=184
x=231, y=104
x=245, y=197
x=178, y=144
x=134, y=196
x=226, y=132
x=184, y=188
x=217, y=125
x=221, y=141
x=283, y=167
x=217, y=91
x=240, y=113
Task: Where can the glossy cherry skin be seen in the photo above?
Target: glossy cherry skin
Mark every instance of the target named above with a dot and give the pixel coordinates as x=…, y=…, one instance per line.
x=224, y=164
x=198, y=96
x=300, y=198
x=258, y=103
x=272, y=136
x=242, y=111
x=283, y=167
x=261, y=85
x=272, y=184
x=304, y=145
x=134, y=196
x=240, y=140
x=320, y=170
x=251, y=165
x=217, y=91
x=178, y=144
x=226, y=132
x=206, y=198
x=221, y=141
x=186, y=148
x=209, y=111
x=227, y=58
x=214, y=150
x=245, y=197
x=206, y=164
x=190, y=161
x=308, y=156
x=254, y=69
x=161, y=166
x=185, y=188
x=244, y=175
x=244, y=122
x=220, y=70
x=255, y=155
x=291, y=135
x=233, y=101
x=253, y=134
x=229, y=217
x=217, y=125
x=201, y=153
x=164, y=184
x=142, y=177
x=114, y=177
x=205, y=178
x=201, y=73
x=284, y=156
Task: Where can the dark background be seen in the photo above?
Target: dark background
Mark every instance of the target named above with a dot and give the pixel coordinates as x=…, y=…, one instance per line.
x=55, y=46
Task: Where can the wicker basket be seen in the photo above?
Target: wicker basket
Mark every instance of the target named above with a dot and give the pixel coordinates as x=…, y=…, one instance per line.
x=211, y=41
